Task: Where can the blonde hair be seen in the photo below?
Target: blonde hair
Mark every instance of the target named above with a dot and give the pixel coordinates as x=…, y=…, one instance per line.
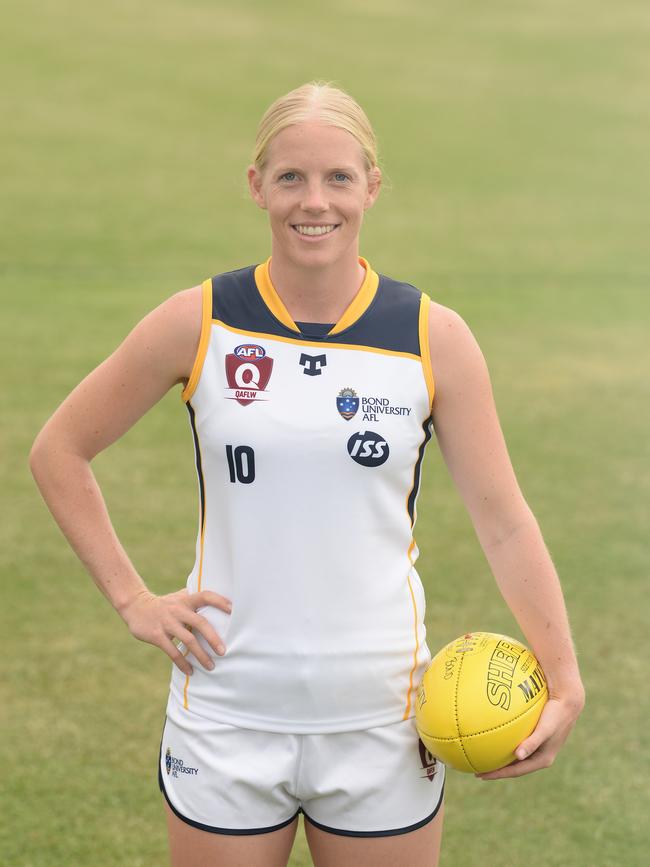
x=317, y=100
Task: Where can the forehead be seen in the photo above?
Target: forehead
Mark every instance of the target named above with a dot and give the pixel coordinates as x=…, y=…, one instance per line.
x=315, y=143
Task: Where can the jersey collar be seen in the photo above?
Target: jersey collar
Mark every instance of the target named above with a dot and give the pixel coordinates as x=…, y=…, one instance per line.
x=354, y=311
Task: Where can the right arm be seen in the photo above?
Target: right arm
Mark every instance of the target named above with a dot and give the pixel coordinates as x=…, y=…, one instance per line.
x=155, y=356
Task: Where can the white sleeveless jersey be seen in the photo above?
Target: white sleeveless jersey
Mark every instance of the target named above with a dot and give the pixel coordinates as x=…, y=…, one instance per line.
x=308, y=453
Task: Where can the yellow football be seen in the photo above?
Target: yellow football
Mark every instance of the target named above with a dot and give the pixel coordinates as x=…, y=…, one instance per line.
x=479, y=699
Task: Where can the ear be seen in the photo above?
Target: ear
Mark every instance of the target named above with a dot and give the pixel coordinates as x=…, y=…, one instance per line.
x=374, y=185
x=255, y=186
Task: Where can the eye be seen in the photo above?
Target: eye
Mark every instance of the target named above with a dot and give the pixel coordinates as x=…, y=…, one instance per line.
x=289, y=176
x=341, y=177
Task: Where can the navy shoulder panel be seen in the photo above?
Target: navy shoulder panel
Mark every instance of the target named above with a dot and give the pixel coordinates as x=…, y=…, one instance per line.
x=391, y=322
x=237, y=302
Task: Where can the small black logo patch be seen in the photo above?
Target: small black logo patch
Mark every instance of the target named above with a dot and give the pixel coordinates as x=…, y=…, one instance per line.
x=368, y=448
x=429, y=762
x=313, y=364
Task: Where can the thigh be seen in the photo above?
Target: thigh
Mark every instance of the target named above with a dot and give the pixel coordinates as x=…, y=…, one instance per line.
x=191, y=847
x=380, y=782
x=420, y=848
x=221, y=779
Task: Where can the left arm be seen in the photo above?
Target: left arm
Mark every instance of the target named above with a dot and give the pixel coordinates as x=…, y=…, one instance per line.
x=473, y=447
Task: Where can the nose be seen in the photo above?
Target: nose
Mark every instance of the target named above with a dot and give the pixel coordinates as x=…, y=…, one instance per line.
x=314, y=199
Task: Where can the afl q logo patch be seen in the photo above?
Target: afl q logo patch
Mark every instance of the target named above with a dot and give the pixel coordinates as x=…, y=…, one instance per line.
x=248, y=370
x=368, y=448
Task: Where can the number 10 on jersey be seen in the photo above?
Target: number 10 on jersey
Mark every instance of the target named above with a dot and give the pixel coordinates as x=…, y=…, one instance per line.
x=241, y=464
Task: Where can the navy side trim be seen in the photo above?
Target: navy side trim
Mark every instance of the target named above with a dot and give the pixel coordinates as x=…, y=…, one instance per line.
x=213, y=829
x=391, y=833
x=199, y=465
x=428, y=428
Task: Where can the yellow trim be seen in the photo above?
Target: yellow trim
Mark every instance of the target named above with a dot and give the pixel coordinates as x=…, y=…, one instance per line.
x=407, y=712
x=425, y=352
x=361, y=301
x=317, y=343
x=354, y=310
x=187, y=682
x=270, y=296
x=204, y=339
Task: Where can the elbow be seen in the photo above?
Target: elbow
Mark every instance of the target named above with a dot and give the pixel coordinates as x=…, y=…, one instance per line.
x=46, y=451
x=500, y=527
x=38, y=455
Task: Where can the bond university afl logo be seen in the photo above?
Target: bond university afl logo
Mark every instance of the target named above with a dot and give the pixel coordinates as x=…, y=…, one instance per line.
x=347, y=403
x=248, y=370
x=372, y=406
x=175, y=767
x=368, y=448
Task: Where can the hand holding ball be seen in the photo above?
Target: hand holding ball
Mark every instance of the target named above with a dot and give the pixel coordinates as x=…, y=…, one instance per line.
x=479, y=699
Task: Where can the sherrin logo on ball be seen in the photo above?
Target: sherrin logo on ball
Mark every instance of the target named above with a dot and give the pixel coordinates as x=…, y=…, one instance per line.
x=479, y=699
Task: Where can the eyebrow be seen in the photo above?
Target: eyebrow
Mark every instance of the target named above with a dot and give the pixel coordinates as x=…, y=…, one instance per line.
x=350, y=170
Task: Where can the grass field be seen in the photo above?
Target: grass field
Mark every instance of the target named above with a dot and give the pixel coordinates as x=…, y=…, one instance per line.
x=516, y=138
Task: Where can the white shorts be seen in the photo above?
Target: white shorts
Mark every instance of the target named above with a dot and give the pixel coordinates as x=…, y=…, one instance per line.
x=228, y=780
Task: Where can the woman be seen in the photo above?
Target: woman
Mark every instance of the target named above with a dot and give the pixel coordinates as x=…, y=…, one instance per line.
x=309, y=382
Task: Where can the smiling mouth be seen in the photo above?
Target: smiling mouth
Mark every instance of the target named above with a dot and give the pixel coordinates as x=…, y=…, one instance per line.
x=315, y=231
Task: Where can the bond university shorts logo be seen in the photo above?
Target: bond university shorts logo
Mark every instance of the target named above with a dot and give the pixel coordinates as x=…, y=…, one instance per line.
x=368, y=448
x=248, y=370
x=175, y=767
x=429, y=762
x=312, y=365
x=347, y=403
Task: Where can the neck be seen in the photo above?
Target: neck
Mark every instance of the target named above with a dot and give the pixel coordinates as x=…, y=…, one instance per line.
x=317, y=293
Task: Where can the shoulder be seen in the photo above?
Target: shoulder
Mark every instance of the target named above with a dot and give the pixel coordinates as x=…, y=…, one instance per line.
x=446, y=326
x=178, y=318
x=182, y=311
x=456, y=357
x=169, y=335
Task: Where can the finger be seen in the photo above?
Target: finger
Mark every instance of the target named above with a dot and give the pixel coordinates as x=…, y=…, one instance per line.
x=191, y=643
x=175, y=655
x=200, y=624
x=545, y=729
x=209, y=597
x=543, y=758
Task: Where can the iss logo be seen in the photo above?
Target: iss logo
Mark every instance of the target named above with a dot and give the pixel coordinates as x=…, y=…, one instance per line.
x=347, y=403
x=368, y=448
x=248, y=370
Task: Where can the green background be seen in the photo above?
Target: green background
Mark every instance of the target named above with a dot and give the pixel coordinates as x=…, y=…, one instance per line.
x=515, y=138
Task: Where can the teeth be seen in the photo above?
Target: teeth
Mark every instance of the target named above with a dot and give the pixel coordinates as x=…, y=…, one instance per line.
x=315, y=230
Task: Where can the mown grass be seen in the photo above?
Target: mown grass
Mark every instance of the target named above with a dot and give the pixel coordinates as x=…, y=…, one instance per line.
x=515, y=137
